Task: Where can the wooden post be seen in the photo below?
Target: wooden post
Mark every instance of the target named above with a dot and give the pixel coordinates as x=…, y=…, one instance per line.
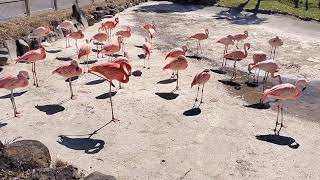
x=55, y=5
x=27, y=5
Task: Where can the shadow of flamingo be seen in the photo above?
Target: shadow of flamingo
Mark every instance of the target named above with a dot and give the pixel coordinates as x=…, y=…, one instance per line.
x=279, y=140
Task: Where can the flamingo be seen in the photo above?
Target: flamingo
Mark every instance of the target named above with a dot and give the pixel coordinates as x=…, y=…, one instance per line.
x=226, y=41
x=109, y=25
x=269, y=66
x=67, y=26
x=237, y=56
x=10, y=83
x=100, y=37
x=151, y=34
x=149, y=25
x=85, y=50
x=33, y=56
x=40, y=32
x=125, y=34
x=257, y=56
x=112, y=71
x=177, y=64
x=274, y=43
x=112, y=48
x=200, y=79
x=76, y=35
x=199, y=37
x=125, y=59
x=284, y=92
x=240, y=37
x=69, y=71
x=173, y=53
x=147, y=52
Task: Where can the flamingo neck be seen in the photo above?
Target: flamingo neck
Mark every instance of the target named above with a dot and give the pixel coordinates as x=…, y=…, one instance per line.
x=245, y=50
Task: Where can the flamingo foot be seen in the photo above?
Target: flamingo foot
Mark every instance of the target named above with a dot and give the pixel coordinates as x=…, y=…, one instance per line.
x=17, y=115
x=115, y=120
x=73, y=97
x=284, y=126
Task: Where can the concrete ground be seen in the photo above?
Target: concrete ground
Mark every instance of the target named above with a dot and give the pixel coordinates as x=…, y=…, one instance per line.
x=160, y=136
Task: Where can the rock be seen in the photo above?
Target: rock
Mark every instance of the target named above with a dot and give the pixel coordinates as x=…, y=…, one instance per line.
x=120, y=8
x=90, y=20
x=30, y=154
x=12, y=47
x=55, y=24
x=99, y=176
x=60, y=173
x=100, y=8
x=99, y=14
x=137, y=73
x=35, y=44
x=22, y=47
x=114, y=11
x=4, y=59
x=1, y=146
x=79, y=15
x=107, y=11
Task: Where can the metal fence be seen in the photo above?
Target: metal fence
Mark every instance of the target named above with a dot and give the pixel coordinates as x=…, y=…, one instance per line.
x=14, y=8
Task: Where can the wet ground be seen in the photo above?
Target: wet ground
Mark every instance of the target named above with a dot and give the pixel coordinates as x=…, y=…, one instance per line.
x=297, y=58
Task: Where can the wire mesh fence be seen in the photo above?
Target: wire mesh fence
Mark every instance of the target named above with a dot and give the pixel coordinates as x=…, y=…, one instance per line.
x=14, y=8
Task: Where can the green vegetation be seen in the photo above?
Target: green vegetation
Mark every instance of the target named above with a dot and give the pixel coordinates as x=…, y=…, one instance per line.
x=294, y=7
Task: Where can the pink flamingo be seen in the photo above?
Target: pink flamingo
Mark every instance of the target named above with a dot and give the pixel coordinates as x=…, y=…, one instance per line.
x=147, y=52
x=69, y=71
x=284, y=92
x=125, y=59
x=173, y=53
x=177, y=64
x=100, y=37
x=125, y=34
x=226, y=41
x=10, y=83
x=112, y=48
x=69, y=27
x=200, y=79
x=240, y=37
x=112, y=71
x=40, y=32
x=75, y=35
x=32, y=57
x=109, y=25
x=257, y=56
x=237, y=56
x=149, y=25
x=269, y=66
x=85, y=50
x=275, y=42
x=199, y=37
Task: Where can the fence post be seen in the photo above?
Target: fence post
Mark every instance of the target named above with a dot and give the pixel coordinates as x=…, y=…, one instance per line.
x=27, y=4
x=55, y=5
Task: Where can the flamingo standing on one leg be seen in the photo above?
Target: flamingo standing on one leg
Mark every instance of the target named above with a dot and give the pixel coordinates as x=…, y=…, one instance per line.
x=11, y=83
x=100, y=37
x=269, y=66
x=226, y=41
x=112, y=71
x=275, y=42
x=284, y=92
x=112, y=48
x=39, y=33
x=200, y=79
x=257, y=56
x=199, y=37
x=125, y=34
x=69, y=27
x=32, y=57
x=240, y=37
x=147, y=52
x=85, y=50
x=125, y=59
x=69, y=71
x=109, y=25
x=237, y=56
x=76, y=36
x=173, y=53
x=177, y=64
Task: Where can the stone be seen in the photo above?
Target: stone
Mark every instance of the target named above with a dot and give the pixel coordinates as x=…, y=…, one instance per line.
x=30, y=154
x=99, y=176
x=12, y=47
x=22, y=47
x=79, y=15
x=60, y=173
x=4, y=59
x=107, y=11
x=1, y=146
x=35, y=44
x=114, y=11
x=99, y=14
x=100, y=8
x=91, y=20
x=137, y=73
x=120, y=8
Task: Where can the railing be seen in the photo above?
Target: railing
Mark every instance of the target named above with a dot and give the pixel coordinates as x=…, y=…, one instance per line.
x=14, y=8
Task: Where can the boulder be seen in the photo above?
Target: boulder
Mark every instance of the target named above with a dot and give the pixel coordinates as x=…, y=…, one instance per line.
x=79, y=15
x=107, y=11
x=99, y=176
x=29, y=154
x=1, y=146
x=35, y=44
x=99, y=14
x=22, y=47
x=121, y=8
x=60, y=173
x=90, y=20
x=12, y=47
x=100, y=8
x=114, y=11
x=4, y=56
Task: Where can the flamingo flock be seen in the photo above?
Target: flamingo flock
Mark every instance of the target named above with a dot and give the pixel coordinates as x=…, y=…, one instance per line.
x=176, y=60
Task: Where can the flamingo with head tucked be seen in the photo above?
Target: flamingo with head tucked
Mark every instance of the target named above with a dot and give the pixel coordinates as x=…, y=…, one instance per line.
x=76, y=36
x=240, y=37
x=257, y=56
x=125, y=59
x=226, y=41
x=125, y=34
x=40, y=33
x=10, y=83
x=201, y=78
x=173, y=53
x=147, y=52
x=177, y=64
x=100, y=37
x=284, y=92
x=69, y=27
x=85, y=50
x=112, y=48
x=32, y=57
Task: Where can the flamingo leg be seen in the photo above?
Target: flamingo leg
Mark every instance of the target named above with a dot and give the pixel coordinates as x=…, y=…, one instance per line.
x=237, y=44
x=202, y=94
x=32, y=70
x=265, y=81
x=77, y=44
x=234, y=75
x=281, y=124
x=110, y=94
x=120, y=85
x=144, y=61
x=88, y=66
x=271, y=52
x=35, y=74
x=71, y=91
x=200, y=48
x=277, y=122
x=177, y=87
x=13, y=104
x=195, y=101
x=258, y=75
x=274, y=52
x=149, y=61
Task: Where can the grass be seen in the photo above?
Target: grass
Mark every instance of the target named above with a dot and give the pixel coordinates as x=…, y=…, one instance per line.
x=278, y=6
